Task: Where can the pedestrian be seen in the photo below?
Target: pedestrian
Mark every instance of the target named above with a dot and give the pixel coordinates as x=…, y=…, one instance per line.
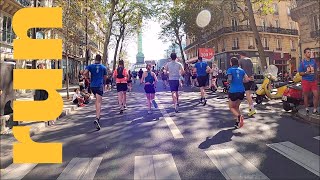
x=129, y=81
x=236, y=78
x=247, y=65
x=121, y=76
x=140, y=74
x=309, y=73
x=108, y=83
x=214, y=81
x=81, y=80
x=175, y=70
x=150, y=80
x=164, y=77
x=78, y=98
x=98, y=73
x=193, y=77
x=202, y=77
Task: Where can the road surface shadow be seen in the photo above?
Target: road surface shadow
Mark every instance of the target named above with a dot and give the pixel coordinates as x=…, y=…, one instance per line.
x=221, y=137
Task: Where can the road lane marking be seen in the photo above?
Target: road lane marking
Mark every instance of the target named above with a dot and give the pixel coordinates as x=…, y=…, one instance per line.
x=303, y=157
x=233, y=165
x=317, y=137
x=172, y=126
x=16, y=171
x=81, y=168
x=154, y=167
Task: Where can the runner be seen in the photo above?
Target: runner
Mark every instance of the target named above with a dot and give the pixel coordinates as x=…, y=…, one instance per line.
x=164, y=78
x=246, y=64
x=236, y=77
x=202, y=70
x=121, y=76
x=129, y=81
x=150, y=80
x=175, y=69
x=214, y=82
x=140, y=74
x=134, y=74
x=98, y=77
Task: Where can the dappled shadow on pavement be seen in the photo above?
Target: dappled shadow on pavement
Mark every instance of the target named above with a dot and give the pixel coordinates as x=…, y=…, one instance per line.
x=222, y=136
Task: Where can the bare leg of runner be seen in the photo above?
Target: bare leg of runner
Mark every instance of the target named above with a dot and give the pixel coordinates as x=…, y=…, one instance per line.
x=98, y=105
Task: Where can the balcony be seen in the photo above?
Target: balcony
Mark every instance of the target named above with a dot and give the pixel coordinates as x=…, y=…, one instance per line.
x=235, y=48
x=293, y=50
x=315, y=34
x=24, y=3
x=266, y=48
x=242, y=28
x=251, y=47
x=278, y=49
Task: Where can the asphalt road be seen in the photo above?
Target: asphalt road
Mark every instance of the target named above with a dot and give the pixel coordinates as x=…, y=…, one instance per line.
x=199, y=142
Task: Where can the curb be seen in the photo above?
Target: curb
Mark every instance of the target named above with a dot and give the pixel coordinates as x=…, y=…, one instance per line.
x=311, y=119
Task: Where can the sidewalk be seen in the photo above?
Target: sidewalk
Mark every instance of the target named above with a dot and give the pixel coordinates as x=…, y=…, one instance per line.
x=311, y=118
x=36, y=126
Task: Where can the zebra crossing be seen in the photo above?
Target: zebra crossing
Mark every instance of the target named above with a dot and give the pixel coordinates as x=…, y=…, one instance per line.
x=228, y=161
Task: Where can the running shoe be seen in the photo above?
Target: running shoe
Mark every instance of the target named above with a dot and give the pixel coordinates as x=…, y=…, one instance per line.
x=252, y=112
x=307, y=112
x=176, y=109
x=316, y=112
x=97, y=124
x=204, y=102
x=154, y=103
x=237, y=125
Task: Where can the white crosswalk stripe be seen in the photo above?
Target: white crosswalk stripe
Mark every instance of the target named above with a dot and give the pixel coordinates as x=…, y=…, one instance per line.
x=303, y=157
x=81, y=168
x=317, y=137
x=151, y=167
x=16, y=171
x=233, y=165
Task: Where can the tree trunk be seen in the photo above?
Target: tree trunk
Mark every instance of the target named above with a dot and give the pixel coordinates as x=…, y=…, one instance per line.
x=253, y=25
x=116, y=53
x=121, y=46
x=180, y=46
x=108, y=34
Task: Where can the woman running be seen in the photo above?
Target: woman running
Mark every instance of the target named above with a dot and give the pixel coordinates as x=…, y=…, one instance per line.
x=150, y=80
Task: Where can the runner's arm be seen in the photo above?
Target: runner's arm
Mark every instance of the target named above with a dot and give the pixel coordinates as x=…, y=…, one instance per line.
x=246, y=78
x=142, y=78
x=182, y=69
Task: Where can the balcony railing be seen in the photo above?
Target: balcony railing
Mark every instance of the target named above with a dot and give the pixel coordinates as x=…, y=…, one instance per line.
x=241, y=28
x=266, y=48
x=279, y=49
x=235, y=48
x=24, y=2
x=315, y=34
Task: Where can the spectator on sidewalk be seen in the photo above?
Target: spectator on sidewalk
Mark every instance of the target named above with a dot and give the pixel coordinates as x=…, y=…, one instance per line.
x=86, y=96
x=309, y=73
x=77, y=98
x=81, y=80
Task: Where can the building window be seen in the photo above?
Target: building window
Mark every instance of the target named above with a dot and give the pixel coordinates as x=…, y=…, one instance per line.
x=292, y=46
x=316, y=21
x=292, y=25
x=265, y=42
x=235, y=43
x=279, y=47
x=7, y=33
x=251, y=43
x=277, y=24
x=264, y=24
x=288, y=11
x=223, y=45
x=234, y=24
x=233, y=6
x=275, y=8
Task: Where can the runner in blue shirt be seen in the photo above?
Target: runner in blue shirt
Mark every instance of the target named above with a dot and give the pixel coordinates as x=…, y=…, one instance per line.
x=202, y=76
x=236, y=78
x=98, y=74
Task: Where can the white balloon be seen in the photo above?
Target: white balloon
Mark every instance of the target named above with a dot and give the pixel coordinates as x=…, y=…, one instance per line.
x=203, y=18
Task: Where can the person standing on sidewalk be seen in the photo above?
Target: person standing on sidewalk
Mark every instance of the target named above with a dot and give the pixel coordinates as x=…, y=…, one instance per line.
x=175, y=70
x=150, y=80
x=121, y=77
x=247, y=65
x=202, y=71
x=236, y=78
x=309, y=73
x=98, y=74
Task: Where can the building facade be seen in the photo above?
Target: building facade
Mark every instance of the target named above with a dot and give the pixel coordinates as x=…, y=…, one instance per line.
x=7, y=9
x=278, y=33
x=307, y=14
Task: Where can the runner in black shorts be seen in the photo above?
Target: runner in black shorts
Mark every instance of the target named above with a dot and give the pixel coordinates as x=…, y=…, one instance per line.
x=236, y=77
x=98, y=77
x=202, y=77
